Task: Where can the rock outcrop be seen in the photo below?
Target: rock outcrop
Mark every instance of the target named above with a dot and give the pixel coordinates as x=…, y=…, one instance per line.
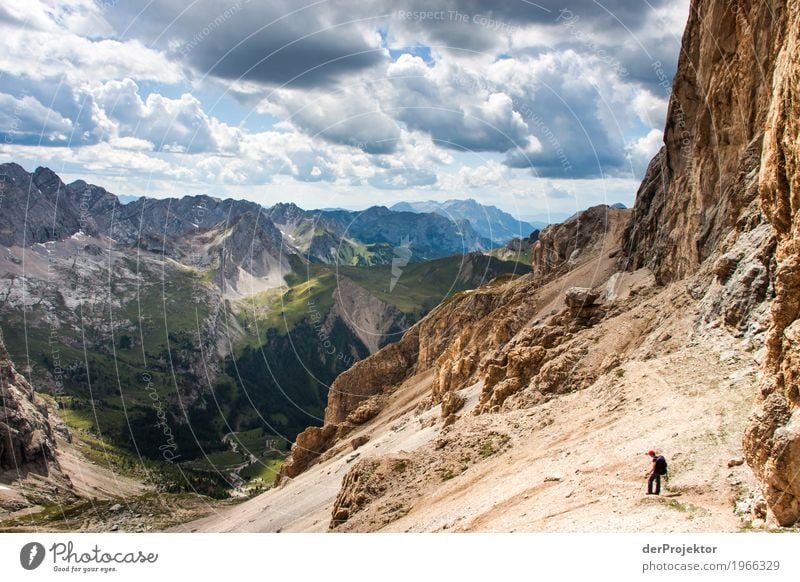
x=580, y=297
x=27, y=442
x=483, y=335
x=307, y=448
x=561, y=247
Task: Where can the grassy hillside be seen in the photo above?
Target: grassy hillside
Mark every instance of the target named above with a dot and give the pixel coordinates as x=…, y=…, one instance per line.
x=419, y=287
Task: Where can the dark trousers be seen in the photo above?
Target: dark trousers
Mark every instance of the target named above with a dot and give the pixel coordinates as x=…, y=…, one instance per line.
x=654, y=477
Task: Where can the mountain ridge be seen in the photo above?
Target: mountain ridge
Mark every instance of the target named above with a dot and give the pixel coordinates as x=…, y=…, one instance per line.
x=491, y=222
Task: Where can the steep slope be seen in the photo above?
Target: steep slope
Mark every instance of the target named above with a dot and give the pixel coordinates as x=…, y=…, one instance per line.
x=27, y=442
x=53, y=478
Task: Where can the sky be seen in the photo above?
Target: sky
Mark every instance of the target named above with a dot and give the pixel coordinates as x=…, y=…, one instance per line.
x=535, y=107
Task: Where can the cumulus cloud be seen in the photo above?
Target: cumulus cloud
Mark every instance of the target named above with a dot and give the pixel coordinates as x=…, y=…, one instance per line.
x=178, y=125
x=426, y=99
x=492, y=174
x=345, y=95
x=26, y=121
x=62, y=54
x=563, y=97
x=402, y=178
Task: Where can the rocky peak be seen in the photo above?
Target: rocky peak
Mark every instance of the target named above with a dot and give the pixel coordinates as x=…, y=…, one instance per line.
x=14, y=173
x=47, y=181
x=286, y=213
x=36, y=208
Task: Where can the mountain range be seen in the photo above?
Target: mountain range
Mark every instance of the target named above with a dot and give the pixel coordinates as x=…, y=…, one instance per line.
x=490, y=222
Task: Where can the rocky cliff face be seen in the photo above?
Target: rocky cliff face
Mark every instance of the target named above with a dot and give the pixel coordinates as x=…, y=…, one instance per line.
x=562, y=246
x=696, y=190
x=772, y=440
x=27, y=442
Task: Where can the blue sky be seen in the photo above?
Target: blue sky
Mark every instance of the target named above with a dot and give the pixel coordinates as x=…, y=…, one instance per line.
x=528, y=106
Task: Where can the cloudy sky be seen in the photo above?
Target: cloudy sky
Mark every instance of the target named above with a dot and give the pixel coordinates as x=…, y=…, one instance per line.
x=531, y=106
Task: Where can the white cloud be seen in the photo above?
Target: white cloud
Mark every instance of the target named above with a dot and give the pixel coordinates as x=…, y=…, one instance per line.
x=131, y=143
x=535, y=96
x=348, y=116
x=63, y=54
x=27, y=121
x=178, y=125
x=642, y=150
x=490, y=175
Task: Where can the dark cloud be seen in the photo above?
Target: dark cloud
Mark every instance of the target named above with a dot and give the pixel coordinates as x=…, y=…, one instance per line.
x=574, y=142
x=316, y=44
x=485, y=123
x=493, y=14
x=652, y=63
x=275, y=43
x=479, y=25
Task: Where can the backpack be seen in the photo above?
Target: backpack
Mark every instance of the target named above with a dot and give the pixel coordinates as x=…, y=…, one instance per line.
x=661, y=465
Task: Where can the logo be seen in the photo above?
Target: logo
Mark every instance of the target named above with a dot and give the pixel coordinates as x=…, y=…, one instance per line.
x=31, y=555
x=402, y=256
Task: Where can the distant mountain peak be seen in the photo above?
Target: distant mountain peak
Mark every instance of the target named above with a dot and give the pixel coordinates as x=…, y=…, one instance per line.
x=492, y=223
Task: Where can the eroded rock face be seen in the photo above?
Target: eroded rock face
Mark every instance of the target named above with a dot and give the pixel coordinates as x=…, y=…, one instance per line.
x=371, y=376
x=26, y=437
x=307, y=448
x=579, y=297
x=693, y=193
x=772, y=439
x=561, y=246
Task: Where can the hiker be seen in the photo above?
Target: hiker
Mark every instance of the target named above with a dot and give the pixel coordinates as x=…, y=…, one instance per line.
x=659, y=468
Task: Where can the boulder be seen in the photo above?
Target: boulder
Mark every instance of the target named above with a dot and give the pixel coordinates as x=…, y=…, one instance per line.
x=579, y=297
